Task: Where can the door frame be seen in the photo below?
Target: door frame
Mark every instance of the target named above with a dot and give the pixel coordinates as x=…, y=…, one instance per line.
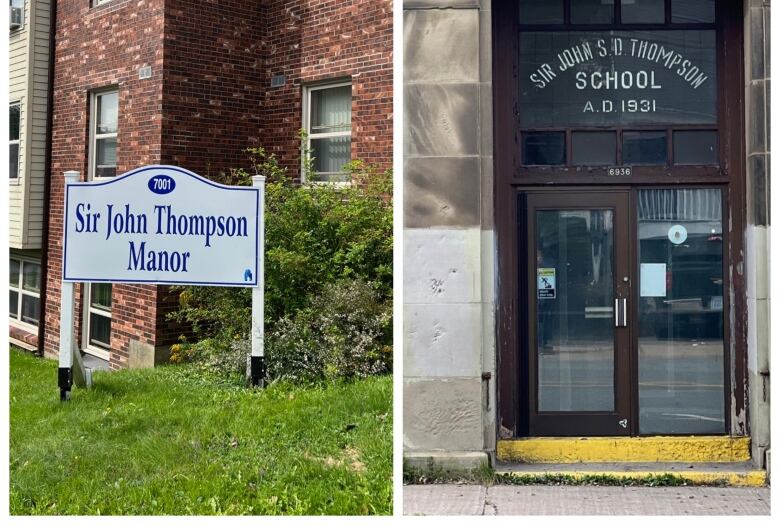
x=510, y=179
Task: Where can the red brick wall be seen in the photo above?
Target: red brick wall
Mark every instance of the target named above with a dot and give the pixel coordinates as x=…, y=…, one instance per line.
x=213, y=75
x=98, y=47
x=314, y=40
x=208, y=99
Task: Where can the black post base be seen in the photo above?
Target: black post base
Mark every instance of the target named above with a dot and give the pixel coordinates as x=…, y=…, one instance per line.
x=257, y=371
x=65, y=382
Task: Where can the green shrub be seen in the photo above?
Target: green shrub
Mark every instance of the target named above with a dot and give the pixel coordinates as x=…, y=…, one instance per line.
x=325, y=246
x=345, y=333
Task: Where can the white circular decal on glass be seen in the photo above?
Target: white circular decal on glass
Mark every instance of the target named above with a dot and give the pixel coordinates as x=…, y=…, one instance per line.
x=678, y=234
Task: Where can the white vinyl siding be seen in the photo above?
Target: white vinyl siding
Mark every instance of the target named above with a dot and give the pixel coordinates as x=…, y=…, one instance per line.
x=28, y=79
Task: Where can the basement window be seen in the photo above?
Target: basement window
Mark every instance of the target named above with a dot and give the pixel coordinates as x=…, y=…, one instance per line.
x=98, y=319
x=24, y=301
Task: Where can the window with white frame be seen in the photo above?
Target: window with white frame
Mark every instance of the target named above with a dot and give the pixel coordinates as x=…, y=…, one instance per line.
x=98, y=318
x=24, y=302
x=16, y=15
x=103, y=131
x=328, y=122
x=15, y=113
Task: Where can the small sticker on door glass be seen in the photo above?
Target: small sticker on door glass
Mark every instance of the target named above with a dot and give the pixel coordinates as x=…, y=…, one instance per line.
x=678, y=234
x=545, y=283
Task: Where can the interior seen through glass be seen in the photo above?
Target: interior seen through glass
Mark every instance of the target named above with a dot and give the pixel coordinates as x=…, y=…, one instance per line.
x=575, y=329
x=681, y=348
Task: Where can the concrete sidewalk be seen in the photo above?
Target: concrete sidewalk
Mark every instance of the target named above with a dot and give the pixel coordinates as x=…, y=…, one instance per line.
x=510, y=500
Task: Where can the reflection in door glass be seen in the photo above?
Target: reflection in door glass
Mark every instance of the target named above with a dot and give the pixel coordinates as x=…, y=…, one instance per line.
x=575, y=348
x=681, y=312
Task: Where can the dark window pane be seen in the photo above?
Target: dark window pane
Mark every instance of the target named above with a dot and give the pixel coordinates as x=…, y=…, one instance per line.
x=593, y=148
x=330, y=154
x=541, y=11
x=105, y=164
x=544, y=148
x=693, y=11
x=642, y=11
x=14, y=267
x=695, y=147
x=32, y=277
x=13, y=304
x=99, y=330
x=574, y=79
x=13, y=157
x=100, y=296
x=592, y=11
x=31, y=309
x=14, y=114
x=644, y=147
x=105, y=171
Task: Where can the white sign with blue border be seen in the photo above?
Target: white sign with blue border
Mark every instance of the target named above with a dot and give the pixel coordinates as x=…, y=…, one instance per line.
x=163, y=225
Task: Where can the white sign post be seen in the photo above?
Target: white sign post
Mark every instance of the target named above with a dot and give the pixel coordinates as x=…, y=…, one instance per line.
x=256, y=366
x=161, y=225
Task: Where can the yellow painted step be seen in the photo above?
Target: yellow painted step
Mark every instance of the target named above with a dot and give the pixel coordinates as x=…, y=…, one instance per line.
x=611, y=449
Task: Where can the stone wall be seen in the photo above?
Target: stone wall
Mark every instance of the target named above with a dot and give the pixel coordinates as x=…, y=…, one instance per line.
x=757, y=120
x=449, y=329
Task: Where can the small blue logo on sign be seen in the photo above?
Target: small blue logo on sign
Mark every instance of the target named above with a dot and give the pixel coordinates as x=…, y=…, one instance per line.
x=162, y=184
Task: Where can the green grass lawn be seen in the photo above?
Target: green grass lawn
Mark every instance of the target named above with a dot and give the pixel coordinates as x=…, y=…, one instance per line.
x=163, y=441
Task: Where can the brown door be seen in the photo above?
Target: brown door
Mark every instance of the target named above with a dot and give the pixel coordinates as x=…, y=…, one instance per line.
x=578, y=294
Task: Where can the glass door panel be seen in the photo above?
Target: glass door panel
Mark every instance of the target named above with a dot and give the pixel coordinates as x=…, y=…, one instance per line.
x=575, y=327
x=681, y=348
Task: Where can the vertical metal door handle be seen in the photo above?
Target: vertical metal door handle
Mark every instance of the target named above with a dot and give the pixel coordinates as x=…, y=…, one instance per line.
x=617, y=312
x=621, y=312
x=625, y=312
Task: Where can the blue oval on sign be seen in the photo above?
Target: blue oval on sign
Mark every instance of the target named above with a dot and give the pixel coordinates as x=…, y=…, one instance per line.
x=162, y=184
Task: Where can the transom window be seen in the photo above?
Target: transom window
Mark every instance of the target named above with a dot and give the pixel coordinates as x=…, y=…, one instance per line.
x=14, y=112
x=104, y=126
x=618, y=82
x=24, y=302
x=328, y=121
x=98, y=319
